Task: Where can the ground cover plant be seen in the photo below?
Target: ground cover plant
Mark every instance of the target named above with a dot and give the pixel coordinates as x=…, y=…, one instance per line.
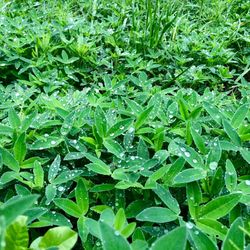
x=125, y=125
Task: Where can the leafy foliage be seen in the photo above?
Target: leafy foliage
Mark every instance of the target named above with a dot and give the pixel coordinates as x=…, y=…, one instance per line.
x=104, y=145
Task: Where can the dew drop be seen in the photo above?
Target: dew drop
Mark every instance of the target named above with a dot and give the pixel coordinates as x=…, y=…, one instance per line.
x=183, y=149
x=60, y=189
x=213, y=165
x=189, y=225
x=117, y=233
x=53, y=142
x=122, y=127
x=187, y=154
x=112, y=134
x=195, y=161
x=247, y=182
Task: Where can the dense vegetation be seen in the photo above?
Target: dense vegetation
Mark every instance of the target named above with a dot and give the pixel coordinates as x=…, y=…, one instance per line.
x=125, y=124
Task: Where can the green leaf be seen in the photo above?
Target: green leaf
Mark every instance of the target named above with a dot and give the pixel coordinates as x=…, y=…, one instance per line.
x=235, y=238
x=191, y=156
x=200, y=240
x=143, y=117
x=128, y=230
x=183, y=109
x=219, y=206
x=174, y=240
x=82, y=198
x=9, y=160
x=38, y=174
x=120, y=219
x=112, y=239
x=198, y=140
x=54, y=168
x=82, y=229
x=119, y=128
x=173, y=170
x=6, y=130
x=212, y=227
x=68, y=206
x=100, y=122
x=14, y=119
x=157, y=215
x=16, y=236
x=245, y=153
x=240, y=115
x=66, y=176
x=50, y=193
x=213, y=112
x=61, y=238
x=165, y=195
x=189, y=175
x=16, y=206
x=50, y=142
x=232, y=134
x=99, y=169
x=230, y=176
x=194, y=197
x=20, y=148
x=114, y=147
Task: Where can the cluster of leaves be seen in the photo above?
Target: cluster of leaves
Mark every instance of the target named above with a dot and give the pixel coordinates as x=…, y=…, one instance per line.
x=74, y=43
x=123, y=169
x=99, y=148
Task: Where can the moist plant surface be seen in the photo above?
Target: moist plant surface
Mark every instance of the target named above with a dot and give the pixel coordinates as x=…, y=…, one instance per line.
x=125, y=125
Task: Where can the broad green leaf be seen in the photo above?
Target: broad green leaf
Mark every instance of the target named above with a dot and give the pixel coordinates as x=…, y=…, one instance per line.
x=50, y=193
x=38, y=174
x=191, y=156
x=112, y=239
x=16, y=236
x=212, y=227
x=68, y=206
x=232, y=134
x=142, y=149
x=114, y=147
x=165, y=195
x=54, y=168
x=183, y=109
x=82, y=198
x=16, y=206
x=100, y=122
x=50, y=142
x=213, y=112
x=219, y=206
x=119, y=128
x=66, y=176
x=9, y=160
x=240, y=115
x=173, y=170
x=200, y=240
x=194, y=197
x=61, y=238
x=74, y=156
x=214, y=155
x=245, y=153
x=99, y=169
x=174, y=240
x=235, y=238
x=157, y=215
x=6, y=130
x=230, y=176
x=120, y=219
x=14, y=119
x=190, y=175
x=198, y=140
x=143, y=117
x=82, y=229
x=20, y=148
x=128, y=230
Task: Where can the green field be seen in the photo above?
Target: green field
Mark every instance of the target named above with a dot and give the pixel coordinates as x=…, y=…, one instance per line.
x=125, y=125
